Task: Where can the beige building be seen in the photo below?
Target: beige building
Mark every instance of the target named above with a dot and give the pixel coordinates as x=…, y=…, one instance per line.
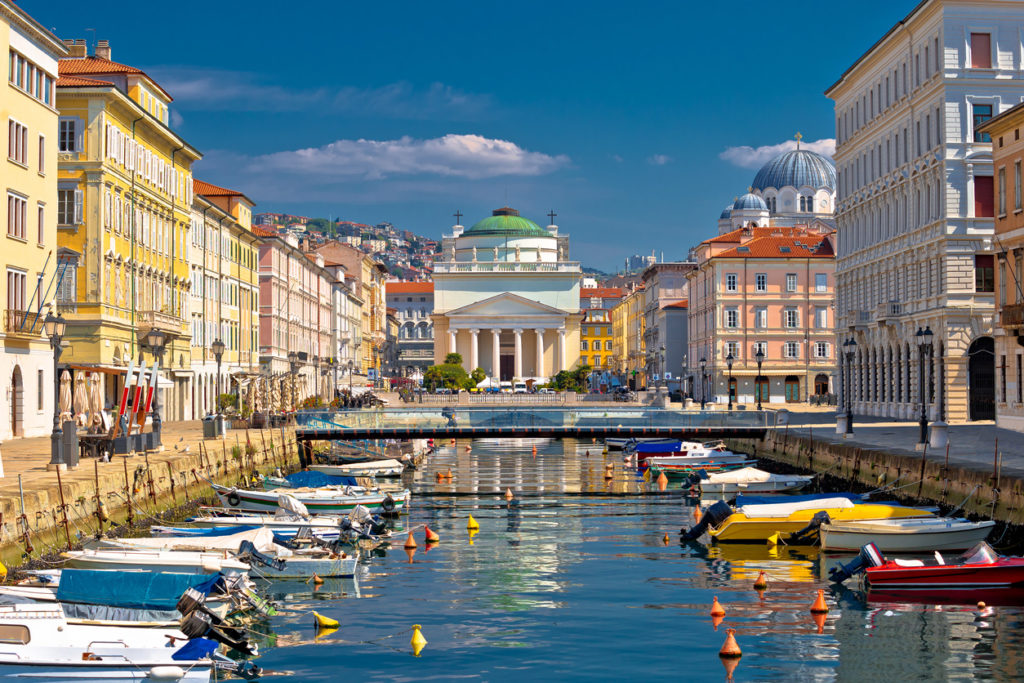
x=629, y=340
x=914, y=210
x=28, y=257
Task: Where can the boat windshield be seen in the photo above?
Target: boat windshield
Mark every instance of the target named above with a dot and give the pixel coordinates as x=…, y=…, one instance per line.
x=980, y=554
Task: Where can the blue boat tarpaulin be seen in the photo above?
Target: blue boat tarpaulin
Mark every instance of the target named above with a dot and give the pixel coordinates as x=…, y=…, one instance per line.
x=195, y=649
x=317, y=479
x=768, y=500
x=659, y=446
x=135, y=589
x=198, y=531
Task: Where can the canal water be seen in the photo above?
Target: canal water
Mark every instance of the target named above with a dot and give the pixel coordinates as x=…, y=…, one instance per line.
x=574, y=580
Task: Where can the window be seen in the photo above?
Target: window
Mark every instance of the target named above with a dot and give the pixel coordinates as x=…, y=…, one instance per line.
x=821, y=318
x=583, y=346
x=820, y=349
x=982, y=113
x=761, y=282
x=983, y=196
x=1016, y=187
x=40, y=390
x=790, y=282
x=42, y=154
x=1002, y=192
x=981, y=51
x=730, y=282
x=608, y=345
x=1002, y=379
x=791, y=349
x=791, y=317
x=984, y=273
x=821, y=283
x=732, y=318
x=17, y=208
x=40, y=224
x=67, y=135
x=732, y=348
x=761, y=318
x=69, y=207
x=759, y=346
x=17, y=142
x=16, y=280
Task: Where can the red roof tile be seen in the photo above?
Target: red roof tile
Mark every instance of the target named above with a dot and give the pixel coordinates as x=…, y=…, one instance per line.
x=78, y=81
x=685, y=303
x=96, y=66
x=210, y=190
x=409, y=287
x=603, y=292
x=260, y=231
x=805, y=246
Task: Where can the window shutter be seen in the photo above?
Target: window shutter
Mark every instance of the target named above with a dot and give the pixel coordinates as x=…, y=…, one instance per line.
x=78, y=207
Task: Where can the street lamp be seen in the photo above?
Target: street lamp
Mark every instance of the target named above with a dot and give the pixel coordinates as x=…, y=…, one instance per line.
x=703, y=383
x=851, y=346
x=157, y=342
x=293, y=365
x=218, y=352
x=351, y=364
x=759, y=357
x=266, y=370
x=54, y=328
x=316, y=376
x=729, y=361
x=924, y=345
x=664, y=382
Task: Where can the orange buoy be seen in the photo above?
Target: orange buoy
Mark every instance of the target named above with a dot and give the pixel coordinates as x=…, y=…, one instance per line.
x=662, y=482
x=665, y=539
x=696, y=514
x=761, y=582
x=410, y=542
x=508, y=494
x=438, y=477
x=981, y=604
x=819, y=606
x=316, y=579
x=730, y=649
x=453, y=442
x=535, y=450
x=716, y=608
x=819, y=620
x=430, y=535
x=448, y=474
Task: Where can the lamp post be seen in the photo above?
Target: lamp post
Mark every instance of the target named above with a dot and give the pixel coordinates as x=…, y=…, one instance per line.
x=850, y=346
x=218, y=352
x=265, y=369
x=661, y=351
x=924, y=345
x=293, y=367
x=157, y=342
x=759, y=357
x=316, y=377
x=351, y=365
x=54, y=328
x=703, y=383
x=729, y=361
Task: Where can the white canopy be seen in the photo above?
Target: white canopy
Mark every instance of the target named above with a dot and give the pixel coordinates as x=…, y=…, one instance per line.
x=488, y=382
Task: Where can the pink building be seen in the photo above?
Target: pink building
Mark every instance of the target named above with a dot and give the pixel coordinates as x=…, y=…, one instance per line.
x=295, y=305
x=767, y=289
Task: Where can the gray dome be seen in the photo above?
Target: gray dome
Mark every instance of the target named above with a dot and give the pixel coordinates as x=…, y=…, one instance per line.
x=750, y=201
x=726, y=213
x=797, y=168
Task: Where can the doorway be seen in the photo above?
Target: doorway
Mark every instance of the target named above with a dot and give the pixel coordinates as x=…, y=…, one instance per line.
x=508, y=366
x=821, y=385
x=17, y=403
x=792, y=389
x=761, y=393
x=732, y=390
x=981, y=379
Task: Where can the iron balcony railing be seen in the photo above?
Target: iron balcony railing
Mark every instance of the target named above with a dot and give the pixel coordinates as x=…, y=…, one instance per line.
x=1012, y=315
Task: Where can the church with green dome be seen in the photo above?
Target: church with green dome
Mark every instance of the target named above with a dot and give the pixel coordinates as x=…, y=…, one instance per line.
x=507, y=299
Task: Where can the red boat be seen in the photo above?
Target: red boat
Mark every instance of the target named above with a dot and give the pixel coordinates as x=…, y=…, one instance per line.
x=979, y=567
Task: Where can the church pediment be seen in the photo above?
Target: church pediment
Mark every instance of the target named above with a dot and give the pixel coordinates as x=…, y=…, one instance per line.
x=506, y=304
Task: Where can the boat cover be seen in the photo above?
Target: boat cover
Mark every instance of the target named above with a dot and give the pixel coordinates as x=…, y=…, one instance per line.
x=292, y=505
x=135, y=589
x=201, y=531
x=752, y=475
x=658, y=447
x=261, y=537
x=195, y=649
x=787, y=508
x=315, y=480
x=742, y=500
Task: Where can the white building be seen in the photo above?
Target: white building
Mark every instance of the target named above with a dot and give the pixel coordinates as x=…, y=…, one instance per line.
x=507, y=298
x=914, y=210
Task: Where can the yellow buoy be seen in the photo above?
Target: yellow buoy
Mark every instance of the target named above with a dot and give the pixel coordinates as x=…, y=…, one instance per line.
x=472, y=524
x=3, y=572
x=773, y=539
x=325, y=622
x=418, y=642
x=472, y=533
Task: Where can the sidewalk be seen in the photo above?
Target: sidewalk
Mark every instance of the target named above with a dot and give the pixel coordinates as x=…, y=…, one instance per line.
x=971, y=445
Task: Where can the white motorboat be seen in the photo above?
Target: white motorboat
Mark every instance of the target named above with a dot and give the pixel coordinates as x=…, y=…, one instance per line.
x=752, y=480
x=40, y=644
x=617, y=444
x=282, y=523
x=156, y=561
x=922, y=535
x=328, y=499
x=369, y=468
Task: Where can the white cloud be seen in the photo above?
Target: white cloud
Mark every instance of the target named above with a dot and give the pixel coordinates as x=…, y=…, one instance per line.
x=659, y=159
x=745, y=156
x=464, y=156
x=222, y=90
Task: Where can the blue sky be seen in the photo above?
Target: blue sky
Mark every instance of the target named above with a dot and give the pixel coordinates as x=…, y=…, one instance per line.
x=628, y=119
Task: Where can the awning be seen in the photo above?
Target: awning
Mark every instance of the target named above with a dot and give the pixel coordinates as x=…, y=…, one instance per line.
x=97, y=367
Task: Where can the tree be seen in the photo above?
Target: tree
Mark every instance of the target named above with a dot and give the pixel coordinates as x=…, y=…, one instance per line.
x=572, y=380
x=478, y=375
x=453, y=359
x=448, y=375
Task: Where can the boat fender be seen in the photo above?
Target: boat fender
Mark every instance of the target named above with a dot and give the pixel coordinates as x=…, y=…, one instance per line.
x=165, y=673
x=388, y=504
x=713, y=516
x=869, y=557
x=233, y=498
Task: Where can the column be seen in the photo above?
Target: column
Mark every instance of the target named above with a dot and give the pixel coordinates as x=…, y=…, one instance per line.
x=496, y=354
x=561, y=349
x=540, y=352
x=519, y=353
x=451, y=341
x=474, y=349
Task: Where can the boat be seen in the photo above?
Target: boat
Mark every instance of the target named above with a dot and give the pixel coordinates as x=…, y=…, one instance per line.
x=979, y=568
x=750, y=480
x=915, y=535
x=795, y=523
x=224, y=521
x=696, y=461
x=618, y=444
x=369, y=468
x=155, y=560
x=665, y=448
x=331, y=500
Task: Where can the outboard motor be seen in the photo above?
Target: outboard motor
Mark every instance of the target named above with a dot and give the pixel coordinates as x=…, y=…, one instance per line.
x=869, y=557
x=808, y=535
x=197, y=621
x=248, y=551
x=713, y=516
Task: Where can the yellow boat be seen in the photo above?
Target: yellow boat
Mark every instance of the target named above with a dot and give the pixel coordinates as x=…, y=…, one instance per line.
x=755, y=523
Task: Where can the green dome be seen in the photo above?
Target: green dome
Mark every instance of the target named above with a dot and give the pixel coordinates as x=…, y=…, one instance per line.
x=507, y=221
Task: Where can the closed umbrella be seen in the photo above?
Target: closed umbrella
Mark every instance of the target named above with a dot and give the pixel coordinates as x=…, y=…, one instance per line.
x=81, y=400
x=65, y=397
x=95, y=403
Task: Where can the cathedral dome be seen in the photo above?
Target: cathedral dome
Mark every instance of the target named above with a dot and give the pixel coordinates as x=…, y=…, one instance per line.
x=749, y=201
x=797, y=168
x=507, y=221
x=726, y=213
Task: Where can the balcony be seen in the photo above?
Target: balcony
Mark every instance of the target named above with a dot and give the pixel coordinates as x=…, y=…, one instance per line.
x=1011, y=315
x=20, y=324
x=888, y=311
x=171, y=324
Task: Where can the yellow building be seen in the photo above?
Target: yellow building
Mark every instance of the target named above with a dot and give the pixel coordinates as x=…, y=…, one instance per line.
x=28, y=255
x=123, y=214
x=596, y=340
x=224, y=297
x=628, y=340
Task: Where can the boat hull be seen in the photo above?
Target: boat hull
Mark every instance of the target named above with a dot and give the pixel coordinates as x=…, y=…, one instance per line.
x=103, y=672
x=340, y=505
x=1005, y=572
x=739, y=528
x=304, y=568
x=913, y=539
x=372, y=468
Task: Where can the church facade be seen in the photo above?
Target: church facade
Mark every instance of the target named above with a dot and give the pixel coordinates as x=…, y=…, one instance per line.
x=507, y=299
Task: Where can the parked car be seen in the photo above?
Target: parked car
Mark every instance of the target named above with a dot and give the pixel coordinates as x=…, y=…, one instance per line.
x=519, y=388
x=506, y=387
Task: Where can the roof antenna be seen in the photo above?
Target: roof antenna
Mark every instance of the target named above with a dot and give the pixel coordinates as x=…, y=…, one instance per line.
x=798, y=139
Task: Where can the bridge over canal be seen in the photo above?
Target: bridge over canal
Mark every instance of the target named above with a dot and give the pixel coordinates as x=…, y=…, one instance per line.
x=445, y=422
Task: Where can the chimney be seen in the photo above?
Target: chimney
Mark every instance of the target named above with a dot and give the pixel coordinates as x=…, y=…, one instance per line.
x=76, y=48
x=103, y=49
